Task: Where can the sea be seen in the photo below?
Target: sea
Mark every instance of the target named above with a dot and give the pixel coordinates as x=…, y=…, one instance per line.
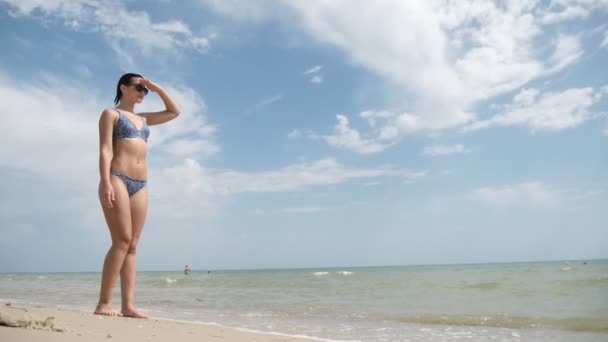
x=539, y=301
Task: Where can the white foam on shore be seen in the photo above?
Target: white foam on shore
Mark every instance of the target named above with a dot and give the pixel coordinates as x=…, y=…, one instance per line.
x=253, y=331
x=292, y=335
x=325, y=273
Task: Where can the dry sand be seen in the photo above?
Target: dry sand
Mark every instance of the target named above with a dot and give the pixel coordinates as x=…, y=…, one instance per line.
x=24, y=324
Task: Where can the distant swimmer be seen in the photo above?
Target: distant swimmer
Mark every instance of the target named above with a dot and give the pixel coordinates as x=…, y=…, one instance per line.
x=187, y=269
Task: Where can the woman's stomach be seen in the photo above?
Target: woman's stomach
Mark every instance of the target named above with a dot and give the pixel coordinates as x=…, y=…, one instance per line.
x=130, y=158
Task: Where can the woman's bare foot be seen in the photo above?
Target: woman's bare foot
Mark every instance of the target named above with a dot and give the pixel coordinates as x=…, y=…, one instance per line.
x=133, y=313
x=107, y=310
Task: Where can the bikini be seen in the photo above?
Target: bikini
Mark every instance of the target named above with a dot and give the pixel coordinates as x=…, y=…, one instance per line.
x=125, y=128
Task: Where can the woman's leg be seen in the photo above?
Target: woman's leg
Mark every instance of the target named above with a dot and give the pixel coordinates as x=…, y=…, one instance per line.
x=139, y=208
x=119, y=223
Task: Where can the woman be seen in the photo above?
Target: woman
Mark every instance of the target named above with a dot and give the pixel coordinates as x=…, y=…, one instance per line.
x=122, y=189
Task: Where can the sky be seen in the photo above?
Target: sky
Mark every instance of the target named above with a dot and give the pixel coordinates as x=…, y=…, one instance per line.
x=313, y=133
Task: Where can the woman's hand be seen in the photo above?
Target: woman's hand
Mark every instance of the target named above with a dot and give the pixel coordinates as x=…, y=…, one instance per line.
x=150, y=85
x=106, y=193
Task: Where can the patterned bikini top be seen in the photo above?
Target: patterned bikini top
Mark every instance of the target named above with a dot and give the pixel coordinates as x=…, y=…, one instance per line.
x=125, y=128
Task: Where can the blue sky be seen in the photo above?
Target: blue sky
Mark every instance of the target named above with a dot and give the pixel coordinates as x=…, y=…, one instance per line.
x=312, y=133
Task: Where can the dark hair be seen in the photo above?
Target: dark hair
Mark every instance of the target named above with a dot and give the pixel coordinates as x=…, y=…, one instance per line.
x=126, y=80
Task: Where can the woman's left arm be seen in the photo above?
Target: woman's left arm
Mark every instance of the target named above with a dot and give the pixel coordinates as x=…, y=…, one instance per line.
x=171, y=111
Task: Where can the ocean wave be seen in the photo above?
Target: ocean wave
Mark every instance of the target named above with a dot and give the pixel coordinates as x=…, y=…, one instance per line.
x=326, y=273
x=487, y=286
x=161, y=302
x=307, y=337
x=587, y=324
x=259, y=315
x=593, y=282
x=170, y=280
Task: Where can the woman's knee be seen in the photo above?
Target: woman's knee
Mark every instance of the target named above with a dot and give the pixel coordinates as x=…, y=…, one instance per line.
x=132, y=247
x=122, y=243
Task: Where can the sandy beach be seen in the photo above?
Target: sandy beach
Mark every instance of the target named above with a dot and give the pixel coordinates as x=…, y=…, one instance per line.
x=21, y=323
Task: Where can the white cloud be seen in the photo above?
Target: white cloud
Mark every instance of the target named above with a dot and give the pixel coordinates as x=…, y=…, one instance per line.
x=413, y=177
x=120, y=27
x=189, y=148
x=254, y=11
x=190, y=190
x=497, y=54
x=567, y=51
x=83, y=71
x=303, y=210
x=604, y=43
x=442, y=56
x=373, y=117
x=568, y=13
x=188, y=136
x=59, y=130
x=293, y=177
x=52, y=149
x=387, y=128
x=316, y=79
x=388, y=49
x=294, y=134
x=173, y=27
x=545, y=112
x=399, y=125
x=391, y=50
x=598, y=95
x=534, y=194
x=264, y=103
x=270, y=100
x=350, y=139
x=441, y=150
x=497, y=50
x=313, y=70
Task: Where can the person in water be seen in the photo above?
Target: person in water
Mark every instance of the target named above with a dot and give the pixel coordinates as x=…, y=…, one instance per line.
x=123, y=136
x=187, y=269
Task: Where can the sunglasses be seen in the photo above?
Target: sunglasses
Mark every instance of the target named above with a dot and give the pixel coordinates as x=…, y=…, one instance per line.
x=139, y=88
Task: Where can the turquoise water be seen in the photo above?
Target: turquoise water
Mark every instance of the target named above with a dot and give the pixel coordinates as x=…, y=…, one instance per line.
x=553, y=301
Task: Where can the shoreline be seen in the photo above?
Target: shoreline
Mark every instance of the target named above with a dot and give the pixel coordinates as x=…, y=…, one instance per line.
x=37, y=324
x=322, y=268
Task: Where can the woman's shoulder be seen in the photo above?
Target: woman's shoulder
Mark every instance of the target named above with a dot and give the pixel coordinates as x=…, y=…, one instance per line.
x=109, y=112
x=109, y=115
